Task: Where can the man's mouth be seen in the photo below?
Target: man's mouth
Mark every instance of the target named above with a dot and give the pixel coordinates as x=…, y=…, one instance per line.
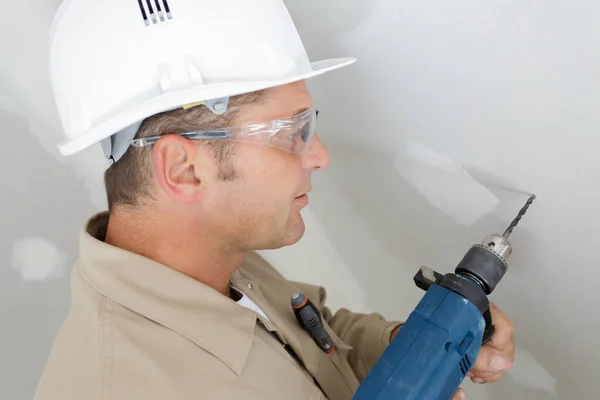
x=302, y=200
x=304, y=193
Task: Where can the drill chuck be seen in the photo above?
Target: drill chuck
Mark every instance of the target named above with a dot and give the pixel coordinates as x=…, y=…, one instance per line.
x=485, y=263
x=498, y=245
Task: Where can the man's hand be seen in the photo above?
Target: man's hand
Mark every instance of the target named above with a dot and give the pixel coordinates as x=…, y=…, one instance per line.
x=497, y=356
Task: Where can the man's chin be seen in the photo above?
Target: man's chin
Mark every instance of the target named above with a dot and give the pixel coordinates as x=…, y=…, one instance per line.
x=295, y=233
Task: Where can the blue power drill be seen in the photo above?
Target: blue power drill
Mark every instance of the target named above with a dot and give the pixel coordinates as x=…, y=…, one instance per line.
x=436, y=347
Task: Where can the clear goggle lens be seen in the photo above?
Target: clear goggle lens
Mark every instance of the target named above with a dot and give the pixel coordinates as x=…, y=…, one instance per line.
x=292, y=135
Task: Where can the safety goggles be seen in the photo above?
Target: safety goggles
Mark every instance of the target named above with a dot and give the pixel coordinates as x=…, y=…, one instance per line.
x=293, y=134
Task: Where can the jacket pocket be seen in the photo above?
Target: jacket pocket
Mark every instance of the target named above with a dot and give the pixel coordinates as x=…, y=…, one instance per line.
x=339, y=343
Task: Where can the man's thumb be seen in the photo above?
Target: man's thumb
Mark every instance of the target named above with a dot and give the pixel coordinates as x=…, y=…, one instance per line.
x=459, y=395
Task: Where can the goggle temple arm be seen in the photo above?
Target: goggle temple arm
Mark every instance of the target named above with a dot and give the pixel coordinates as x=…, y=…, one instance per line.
x=115, y=146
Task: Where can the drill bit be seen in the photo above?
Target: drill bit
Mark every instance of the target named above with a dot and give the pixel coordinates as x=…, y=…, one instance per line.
x=518, y=218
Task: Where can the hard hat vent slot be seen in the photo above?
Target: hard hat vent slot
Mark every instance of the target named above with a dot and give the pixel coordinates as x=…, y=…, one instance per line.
x=160, y=10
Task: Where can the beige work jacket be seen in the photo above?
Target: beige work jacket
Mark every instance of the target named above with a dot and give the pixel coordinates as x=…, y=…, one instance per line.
x=140, y=330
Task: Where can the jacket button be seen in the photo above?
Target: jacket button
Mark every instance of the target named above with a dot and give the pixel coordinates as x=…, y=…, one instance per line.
x=250, y=286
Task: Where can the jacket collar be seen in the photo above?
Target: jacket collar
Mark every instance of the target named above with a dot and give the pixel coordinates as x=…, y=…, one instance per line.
x=168, y=297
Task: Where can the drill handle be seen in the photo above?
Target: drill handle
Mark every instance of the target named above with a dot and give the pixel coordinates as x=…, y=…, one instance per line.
x=489, y=327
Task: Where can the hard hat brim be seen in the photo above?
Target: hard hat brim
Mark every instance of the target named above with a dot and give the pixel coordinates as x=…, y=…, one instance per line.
x=173, y=100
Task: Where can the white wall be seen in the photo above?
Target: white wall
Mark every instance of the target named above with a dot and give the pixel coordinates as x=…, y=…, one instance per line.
x=508, y=90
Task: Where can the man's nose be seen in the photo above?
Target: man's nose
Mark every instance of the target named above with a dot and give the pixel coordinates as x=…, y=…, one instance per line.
x=316, y=156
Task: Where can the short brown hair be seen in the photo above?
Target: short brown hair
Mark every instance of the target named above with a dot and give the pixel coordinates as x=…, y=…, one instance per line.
x=128, y=182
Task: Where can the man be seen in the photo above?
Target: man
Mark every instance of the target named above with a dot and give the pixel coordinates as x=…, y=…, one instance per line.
x=203, y=111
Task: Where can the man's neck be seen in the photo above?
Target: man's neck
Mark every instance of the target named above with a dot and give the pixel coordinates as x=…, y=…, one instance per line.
x=175, y=245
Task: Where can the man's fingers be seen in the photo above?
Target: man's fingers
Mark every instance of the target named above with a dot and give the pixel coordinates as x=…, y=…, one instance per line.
x=491, y=365
x=491, y=361
x=487, y=377
x=509, y=350
x=459, y=395
x=497, y=356
x=504, y=328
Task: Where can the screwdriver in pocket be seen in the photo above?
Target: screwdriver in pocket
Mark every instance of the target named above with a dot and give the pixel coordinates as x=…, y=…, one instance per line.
x=309, y=318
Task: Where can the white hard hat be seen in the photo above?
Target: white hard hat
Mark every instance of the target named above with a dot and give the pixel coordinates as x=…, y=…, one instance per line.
x=114, y=63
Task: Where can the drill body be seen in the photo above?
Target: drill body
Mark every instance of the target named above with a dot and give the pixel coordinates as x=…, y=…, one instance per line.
x=432, y=352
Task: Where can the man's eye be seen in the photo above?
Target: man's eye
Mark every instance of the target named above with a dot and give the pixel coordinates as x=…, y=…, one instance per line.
x=305, y=132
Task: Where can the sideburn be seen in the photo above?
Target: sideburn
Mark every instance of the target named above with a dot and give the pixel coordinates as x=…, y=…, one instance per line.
x=224, y=153
x=227, y=172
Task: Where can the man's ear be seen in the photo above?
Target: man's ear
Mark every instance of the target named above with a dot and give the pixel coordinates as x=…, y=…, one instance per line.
x=180, y=168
